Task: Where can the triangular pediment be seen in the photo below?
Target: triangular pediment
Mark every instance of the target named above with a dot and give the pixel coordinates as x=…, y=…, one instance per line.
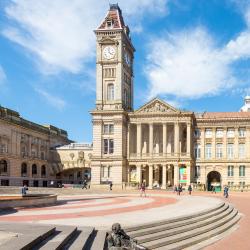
x=157, y=106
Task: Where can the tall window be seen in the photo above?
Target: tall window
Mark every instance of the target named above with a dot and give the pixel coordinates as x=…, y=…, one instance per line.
x=242, y=132
x=208, y=133
x=230, y=151
x=24, y=169
x=110, y=92
x=197, y=133
x=208, y=151
x=105, y=172
x=219, y=133
x=219, y=150
x=3, y=148
x=230, y=170
x=197, y=151
x=241, y=150
x=230, y=132
x=34, y=169
x=108, y=146
x=242, y=170
x=197, y=171
x=43, y=170
x=3, y=167
x=108, y=128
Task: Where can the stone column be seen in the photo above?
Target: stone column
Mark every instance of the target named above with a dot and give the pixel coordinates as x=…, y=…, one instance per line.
x=138, y=171
x=188, y=168
x=150, y=179
x=128, y=174
x=138, y=151
x=164, y=134
x=189, y=143
x=213, y=143
x=176, y=139
x=151, y=136
x=236, y=145
x=202, y=143
x=164, y=176
x=176, y=174
x=224, y=152
x=128, y=141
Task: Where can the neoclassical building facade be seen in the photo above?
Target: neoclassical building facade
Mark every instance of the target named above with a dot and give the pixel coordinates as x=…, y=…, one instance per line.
x=158, y=144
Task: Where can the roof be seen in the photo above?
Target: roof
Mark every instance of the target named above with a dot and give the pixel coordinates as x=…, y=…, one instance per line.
x=115, y=16
x=216, y=115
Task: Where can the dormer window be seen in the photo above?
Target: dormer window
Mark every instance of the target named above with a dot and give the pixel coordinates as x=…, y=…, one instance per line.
x=110, y=24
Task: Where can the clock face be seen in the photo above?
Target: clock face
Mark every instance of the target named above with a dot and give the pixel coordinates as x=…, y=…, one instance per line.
x=109, y=52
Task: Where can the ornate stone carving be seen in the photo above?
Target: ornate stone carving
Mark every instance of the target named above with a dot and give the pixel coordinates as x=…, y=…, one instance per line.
x=157, y=107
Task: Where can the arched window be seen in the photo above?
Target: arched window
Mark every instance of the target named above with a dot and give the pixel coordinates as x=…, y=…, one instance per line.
x=24, y=169
x=34, y=169
x=3, y=167
x=43, y=170
x=110, y=92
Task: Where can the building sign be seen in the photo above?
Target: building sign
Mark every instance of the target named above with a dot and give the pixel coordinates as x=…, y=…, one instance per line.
x=183, y=175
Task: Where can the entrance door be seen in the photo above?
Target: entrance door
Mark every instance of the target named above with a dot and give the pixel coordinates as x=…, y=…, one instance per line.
x=213, y=179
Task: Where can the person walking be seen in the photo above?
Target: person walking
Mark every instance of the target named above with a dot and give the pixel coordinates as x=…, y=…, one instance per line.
x=226, y=191
x=213, y=190
x=143, y=189
x=85, y=185
x=190, y=189
x=175, y=189
x=110, y=186
x=24, y=190
x=179, y=189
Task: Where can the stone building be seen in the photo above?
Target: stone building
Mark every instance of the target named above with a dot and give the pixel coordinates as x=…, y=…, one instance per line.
x=158, y=143
x=25, y=150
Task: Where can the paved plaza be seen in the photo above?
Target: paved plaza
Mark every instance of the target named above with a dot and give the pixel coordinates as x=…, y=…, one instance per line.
x=101, y=210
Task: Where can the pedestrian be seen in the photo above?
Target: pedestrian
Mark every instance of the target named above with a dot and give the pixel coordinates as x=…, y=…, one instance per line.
x=143, y=189
x=110, y=186
x=190, y=189
x=213, y=190
x=175, y=189
x=179, y=189
x=24, y=190
x=85, y=184
x=226, y=191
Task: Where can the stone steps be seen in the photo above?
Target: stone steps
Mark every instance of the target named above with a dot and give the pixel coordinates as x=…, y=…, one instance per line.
x=183, y=232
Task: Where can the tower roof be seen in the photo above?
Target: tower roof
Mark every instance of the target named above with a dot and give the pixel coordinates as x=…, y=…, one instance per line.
x=113, y=19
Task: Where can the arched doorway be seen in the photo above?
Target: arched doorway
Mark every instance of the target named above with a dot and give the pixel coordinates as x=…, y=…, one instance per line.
x=213, y=179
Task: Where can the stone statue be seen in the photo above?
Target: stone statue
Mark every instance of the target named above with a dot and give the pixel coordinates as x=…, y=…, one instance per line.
x=119, y=240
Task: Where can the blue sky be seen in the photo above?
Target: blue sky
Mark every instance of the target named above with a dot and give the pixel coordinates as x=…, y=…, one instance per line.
x=193, y=54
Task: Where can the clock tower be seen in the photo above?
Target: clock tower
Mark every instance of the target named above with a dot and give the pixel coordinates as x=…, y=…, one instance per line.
x=114, y=63
x=114, y=99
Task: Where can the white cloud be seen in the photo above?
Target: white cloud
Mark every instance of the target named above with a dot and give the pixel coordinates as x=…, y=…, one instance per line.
x=52, y=100
x=59, y=33
x=189, y=64
x=2, y=76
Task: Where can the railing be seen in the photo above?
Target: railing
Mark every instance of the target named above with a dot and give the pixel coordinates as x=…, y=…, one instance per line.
x=158, y=155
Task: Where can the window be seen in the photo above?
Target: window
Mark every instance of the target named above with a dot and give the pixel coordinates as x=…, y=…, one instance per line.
x=34, y=169
x=230, y=183
x=230, y=171
x=197, y=171
x=219, y=133
x=42, y=156
x=110, y=92
x=230, y=132
x=24, y=151
x=109, y=72
x=208, y=151
x=24, y=169
x=3, y=167
x=197, y=133
x=242, y=170
x=219, y=150
x=241, y=150
x=43, y=170
x=197, y=151
x=242, y=132
x=109, y=24
x=208, y=133
x=108, y=128
x=230, y=151
x=242, y=184
x=105, y=172
x=3, y=148
x=108, y=146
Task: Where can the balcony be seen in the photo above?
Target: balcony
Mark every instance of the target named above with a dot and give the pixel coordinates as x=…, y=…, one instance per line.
x=158, y=155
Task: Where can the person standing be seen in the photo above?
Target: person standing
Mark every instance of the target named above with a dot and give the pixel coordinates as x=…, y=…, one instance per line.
x=190, y=189
x=213, y=190
x=143, y=189
x=226, y=191
x=24, y=190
